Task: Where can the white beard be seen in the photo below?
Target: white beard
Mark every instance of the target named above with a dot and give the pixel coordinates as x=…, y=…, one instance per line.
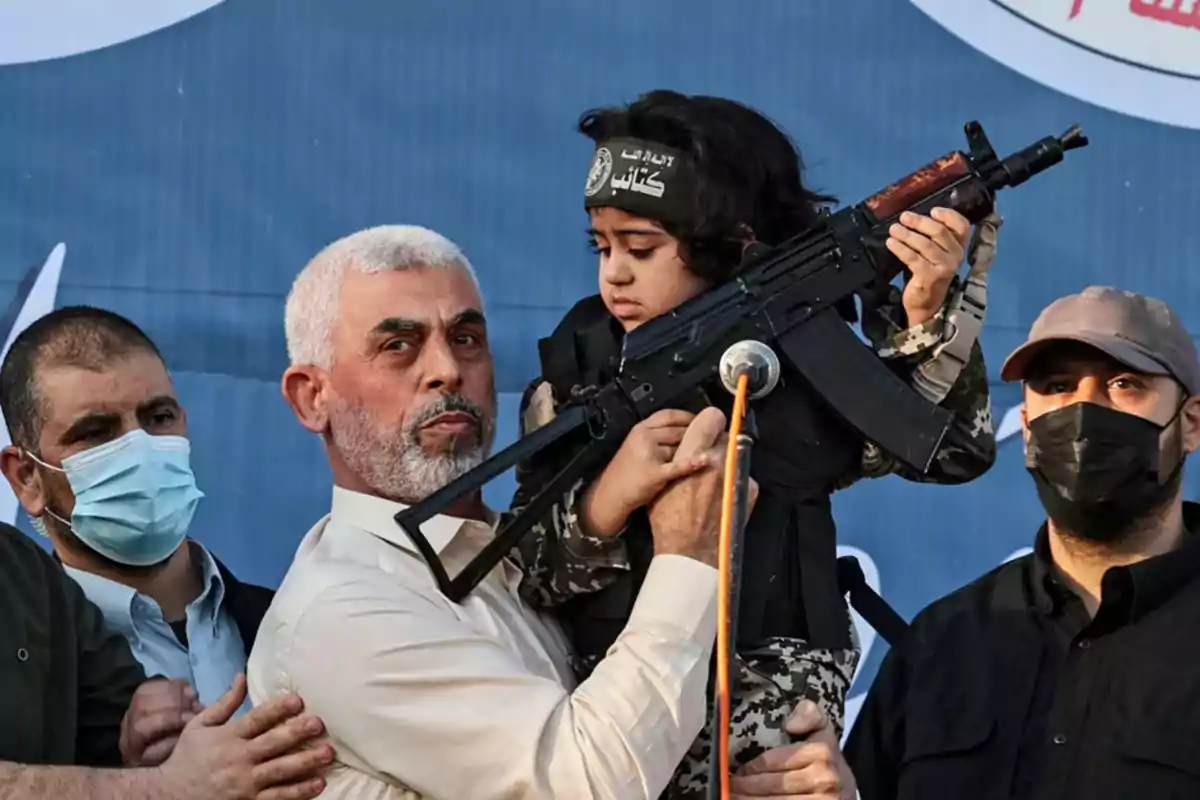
x=392, y=462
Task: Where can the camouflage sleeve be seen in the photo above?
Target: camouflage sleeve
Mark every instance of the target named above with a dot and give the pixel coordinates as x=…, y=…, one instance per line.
x=559, y=560
x=969, y=448
x=771, y=680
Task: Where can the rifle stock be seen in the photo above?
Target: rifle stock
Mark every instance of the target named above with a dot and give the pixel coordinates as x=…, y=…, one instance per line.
x=786, y=297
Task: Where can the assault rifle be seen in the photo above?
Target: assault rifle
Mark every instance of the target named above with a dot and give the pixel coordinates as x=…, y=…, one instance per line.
x=786, y=296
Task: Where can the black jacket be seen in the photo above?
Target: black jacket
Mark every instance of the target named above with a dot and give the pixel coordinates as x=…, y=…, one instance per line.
x=1006, y=688
x=65, y=679
x=247, y=604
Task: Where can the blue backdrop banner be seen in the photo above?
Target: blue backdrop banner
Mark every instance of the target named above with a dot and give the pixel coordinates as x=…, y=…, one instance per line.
x=178, y=162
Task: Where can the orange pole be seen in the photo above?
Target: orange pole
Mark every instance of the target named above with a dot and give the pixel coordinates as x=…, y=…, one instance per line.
x=725, y=577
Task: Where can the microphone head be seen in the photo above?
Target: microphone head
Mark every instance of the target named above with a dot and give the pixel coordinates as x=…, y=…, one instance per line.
x=753, y=358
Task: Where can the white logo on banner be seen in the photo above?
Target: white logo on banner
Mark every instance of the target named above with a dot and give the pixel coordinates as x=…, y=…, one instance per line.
x=39, y=303
x=39, y=30
x=1139, y=57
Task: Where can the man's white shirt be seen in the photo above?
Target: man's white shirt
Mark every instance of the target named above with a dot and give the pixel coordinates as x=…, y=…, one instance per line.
x=475, y=701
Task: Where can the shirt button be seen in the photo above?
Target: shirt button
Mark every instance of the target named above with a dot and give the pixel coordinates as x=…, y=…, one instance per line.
x=22, y=654
x=1060, y=738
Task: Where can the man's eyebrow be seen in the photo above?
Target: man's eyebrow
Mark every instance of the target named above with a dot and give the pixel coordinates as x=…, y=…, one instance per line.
x=91, y=422
x=1108, y=368
x=472, y=316
x=156, y=403
x=1058, y=374
x=398, y=325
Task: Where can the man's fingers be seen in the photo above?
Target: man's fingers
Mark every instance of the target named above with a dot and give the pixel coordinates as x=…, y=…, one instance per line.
x=807, y=718
x=284, y=738
x=702, y=434
x=810, y=722
x=158, y=752
x=293, y=767
x=669, y=435
x=305, y=790
x=789, y=758
x=152, y=727
x=163, y=693
x=669, y=418
x=220, y=712
x=171, y=693
x=261, y=719
x=813, y=780
x=678, y=468
x=665, y=453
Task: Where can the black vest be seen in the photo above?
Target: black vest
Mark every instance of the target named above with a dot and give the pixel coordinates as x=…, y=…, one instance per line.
x=789, y=572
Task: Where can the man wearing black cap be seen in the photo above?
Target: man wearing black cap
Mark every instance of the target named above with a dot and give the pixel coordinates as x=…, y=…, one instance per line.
x=1072, y=672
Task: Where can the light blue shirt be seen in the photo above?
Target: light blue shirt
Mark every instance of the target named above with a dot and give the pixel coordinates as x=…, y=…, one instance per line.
x=215, y=653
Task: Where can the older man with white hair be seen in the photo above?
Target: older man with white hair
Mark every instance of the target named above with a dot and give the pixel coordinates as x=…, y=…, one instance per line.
x=422, y=696
x=391, y=367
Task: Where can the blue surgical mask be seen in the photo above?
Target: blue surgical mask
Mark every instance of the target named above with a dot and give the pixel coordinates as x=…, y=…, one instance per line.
x=134, y=496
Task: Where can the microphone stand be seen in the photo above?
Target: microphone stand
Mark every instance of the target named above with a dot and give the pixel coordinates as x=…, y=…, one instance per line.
x=740, y=514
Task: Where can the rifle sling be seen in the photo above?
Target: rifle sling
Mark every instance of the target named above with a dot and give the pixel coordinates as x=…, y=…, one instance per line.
x=867, y=602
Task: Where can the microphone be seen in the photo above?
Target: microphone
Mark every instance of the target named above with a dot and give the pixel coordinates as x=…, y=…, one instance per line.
x=753, y=358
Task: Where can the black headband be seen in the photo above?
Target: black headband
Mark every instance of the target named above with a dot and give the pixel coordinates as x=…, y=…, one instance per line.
x=643, y=178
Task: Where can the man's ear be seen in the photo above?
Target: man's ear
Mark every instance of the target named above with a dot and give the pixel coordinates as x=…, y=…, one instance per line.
x=305, y=388
x=22, y=475
x=1189, y=421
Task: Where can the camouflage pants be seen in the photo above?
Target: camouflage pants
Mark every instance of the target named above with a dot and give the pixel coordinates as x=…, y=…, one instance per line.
x=771, y=680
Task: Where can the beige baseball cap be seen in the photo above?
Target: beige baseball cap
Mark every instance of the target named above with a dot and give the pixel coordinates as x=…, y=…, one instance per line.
x=1140, y=332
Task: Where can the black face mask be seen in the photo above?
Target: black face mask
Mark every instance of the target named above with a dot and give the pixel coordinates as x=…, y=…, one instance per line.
x=1098, y=471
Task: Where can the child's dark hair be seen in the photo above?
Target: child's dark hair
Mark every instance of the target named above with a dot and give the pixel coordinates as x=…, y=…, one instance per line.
x=748, y=173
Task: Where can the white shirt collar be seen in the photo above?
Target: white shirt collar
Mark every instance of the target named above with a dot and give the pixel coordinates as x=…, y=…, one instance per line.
x=377, y=516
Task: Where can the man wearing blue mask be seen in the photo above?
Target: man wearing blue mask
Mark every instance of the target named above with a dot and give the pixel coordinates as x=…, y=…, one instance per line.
x=100, y=462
